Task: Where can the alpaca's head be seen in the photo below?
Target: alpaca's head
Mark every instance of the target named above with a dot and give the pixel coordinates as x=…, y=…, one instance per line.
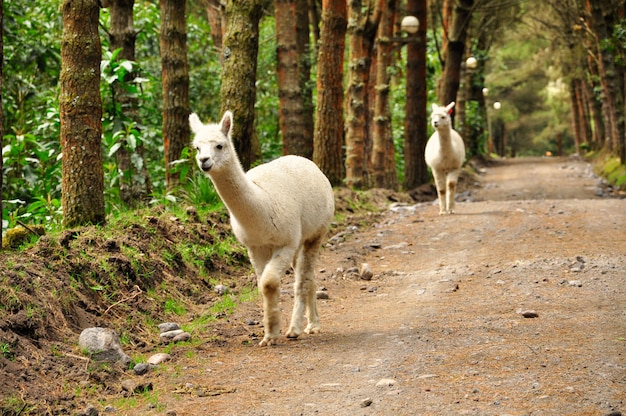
x=440, y=117
x=213, y=144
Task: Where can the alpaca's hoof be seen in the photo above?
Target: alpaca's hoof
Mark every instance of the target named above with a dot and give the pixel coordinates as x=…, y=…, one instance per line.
x=292, y=334
x=313, y=329
x=268, y=341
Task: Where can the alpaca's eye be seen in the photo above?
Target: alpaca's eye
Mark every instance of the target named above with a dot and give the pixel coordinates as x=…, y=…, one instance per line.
x=219, y=147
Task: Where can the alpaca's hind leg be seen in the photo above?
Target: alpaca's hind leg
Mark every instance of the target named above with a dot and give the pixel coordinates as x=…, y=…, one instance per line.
x=269, y=286
x=304, y=291
x=440, y=183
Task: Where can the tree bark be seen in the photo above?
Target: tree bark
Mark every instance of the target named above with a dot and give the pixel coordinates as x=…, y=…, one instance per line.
x=381, y=149
x=175, y=78
x=215, y=15
x=238, y=93
x=415, y=123
x=134, y=186
x=81, y=115
x=611, y=88
x=1, y=116
x=454, y=54
x=362, y=32
x=328, y=138
x=297, y=140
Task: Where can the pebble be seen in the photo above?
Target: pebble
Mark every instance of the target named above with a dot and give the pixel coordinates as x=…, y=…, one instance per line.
x=366, y=402
x=183, y=336
x=169, y=335
x=90, y=411
x=168, y=326
x=141, y=368
x=576, y=283
x=221, y=289
x=365, y=272
x=159, y=358
x=386, y=382
x=529, y=313
x=320, y=294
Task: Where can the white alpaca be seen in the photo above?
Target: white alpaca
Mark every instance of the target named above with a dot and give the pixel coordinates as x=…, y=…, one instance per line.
x=445, y=153
x=280, y=211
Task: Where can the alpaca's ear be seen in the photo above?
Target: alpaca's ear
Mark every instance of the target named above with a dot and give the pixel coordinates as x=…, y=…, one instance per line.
x=449, y=107
x=194, y=122
x=226, y=124
x=434, y=106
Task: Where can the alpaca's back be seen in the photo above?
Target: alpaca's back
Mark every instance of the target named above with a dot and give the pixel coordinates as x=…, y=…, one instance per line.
x=301, y=195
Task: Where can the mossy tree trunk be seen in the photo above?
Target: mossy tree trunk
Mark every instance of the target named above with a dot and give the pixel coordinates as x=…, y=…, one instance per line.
x=328, y=138
x=295, y=114
x=451, y=76
x=383, y=153
x=1, y=114
x=415, y=122
x=81, y=114
x=175, y=78
x=134, y=178
x=362, y=29
x=239, y=57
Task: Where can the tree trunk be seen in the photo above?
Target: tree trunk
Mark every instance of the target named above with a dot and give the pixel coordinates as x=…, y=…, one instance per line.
x=454, y=54
x=415, y=122
x=611, y=88
x=134, y=186
x=81, y=115
x=576, y=102
x=328, y=139
x=296, y=139
x=305, y=56
x=1, y=117
x=381, y=150
x=238, y=93
x=215, y=15
x=175, y=78
x=362, y=33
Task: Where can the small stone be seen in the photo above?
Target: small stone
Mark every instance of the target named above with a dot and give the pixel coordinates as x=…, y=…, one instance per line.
x=159, y=358
x=168, y=326
x=141, y=368
x=129, y=385
x=183, y=336
x=366, y=402
x=320, y=294
x=109, y=409
x=251, y=322
x=575, y=283
x=221, y=290
x=529, y=313
x=365, y=272
x=169, y=335
x=386, y=382
x=91, y=411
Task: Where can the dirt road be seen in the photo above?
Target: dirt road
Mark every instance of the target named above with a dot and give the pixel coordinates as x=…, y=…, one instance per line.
x=441, y=327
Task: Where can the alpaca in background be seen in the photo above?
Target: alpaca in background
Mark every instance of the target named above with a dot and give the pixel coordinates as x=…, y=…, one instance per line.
x=445, y=153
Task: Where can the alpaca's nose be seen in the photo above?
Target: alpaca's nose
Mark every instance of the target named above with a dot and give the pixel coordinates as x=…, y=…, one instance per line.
x=205, y=163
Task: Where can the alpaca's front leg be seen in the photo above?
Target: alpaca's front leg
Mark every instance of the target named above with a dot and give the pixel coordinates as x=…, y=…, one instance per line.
x=440, y=183
x=269, y=286
x=451, y=191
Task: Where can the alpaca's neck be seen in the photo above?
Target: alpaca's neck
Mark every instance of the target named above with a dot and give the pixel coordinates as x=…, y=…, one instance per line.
x=238, y=192
x=445, y=136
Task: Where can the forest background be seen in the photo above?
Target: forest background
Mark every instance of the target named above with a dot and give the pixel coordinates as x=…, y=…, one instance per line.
x=529, y=77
